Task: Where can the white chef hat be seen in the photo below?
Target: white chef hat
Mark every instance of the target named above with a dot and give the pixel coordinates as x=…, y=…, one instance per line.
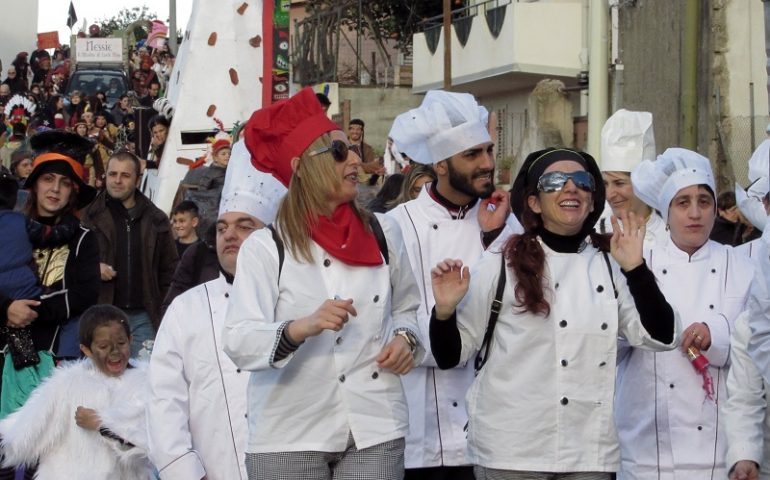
x=760, y=161
x=249, y=190
x=627, y=139
x=446, y=123
x=656, y=183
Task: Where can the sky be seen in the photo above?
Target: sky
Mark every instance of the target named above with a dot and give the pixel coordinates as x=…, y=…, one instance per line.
x=52, y=14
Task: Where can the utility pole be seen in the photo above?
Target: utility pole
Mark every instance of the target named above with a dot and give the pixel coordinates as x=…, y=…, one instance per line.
x=172, y=46
x=598, y=71
x=447, y=45
x=358, y=43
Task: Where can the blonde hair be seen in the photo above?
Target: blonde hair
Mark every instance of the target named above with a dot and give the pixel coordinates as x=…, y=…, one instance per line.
x=307, y=198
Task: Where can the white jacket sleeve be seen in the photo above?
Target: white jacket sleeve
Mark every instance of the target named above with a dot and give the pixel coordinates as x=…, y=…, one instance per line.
x=719, y=329
x=42, y=422
x=168, y=409
x=744, y=412
x=251, y=332
x=405, y=297
x=759, y=308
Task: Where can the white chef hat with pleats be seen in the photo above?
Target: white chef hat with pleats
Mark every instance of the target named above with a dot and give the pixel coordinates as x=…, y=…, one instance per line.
x=657, y=183
x=250, y=190
x=627, y=139
x=445, y=124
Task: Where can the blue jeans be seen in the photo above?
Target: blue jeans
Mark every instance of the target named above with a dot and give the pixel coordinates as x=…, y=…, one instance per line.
x=141, y=329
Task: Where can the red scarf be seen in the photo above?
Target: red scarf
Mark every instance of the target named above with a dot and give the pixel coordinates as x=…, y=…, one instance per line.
x=345, y=238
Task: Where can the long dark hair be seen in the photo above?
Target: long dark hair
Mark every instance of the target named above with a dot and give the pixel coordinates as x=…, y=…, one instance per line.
x=524, y=254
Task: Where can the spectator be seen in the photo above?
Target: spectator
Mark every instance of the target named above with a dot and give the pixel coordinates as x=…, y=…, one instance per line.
x=22, y=71
x=415, y=179
x=159, y=126
x=729, y=228
x=74, y=109
x=153, y=92
x=21, y=165
x=324, y=101
x=138, y=254
x=41, y=66
x=54, y=112
x=371, y=167
x=95, y=405
x=15, y=83
x=5, y=94
x=184, y=218
x=187, y=441
x=121, y=109
x=382, y=202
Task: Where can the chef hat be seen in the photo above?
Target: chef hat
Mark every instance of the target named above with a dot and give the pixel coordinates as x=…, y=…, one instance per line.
x=750, y=203
x=759, y=163
x=283, y=130
x=656, y=183
x=627, y=139
x=249, y=190
x=446, y=123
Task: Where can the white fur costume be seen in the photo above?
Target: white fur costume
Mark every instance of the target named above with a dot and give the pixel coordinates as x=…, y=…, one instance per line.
x=44, y=429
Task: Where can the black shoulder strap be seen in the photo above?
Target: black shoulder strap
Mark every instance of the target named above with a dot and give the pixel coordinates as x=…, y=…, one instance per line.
x=609, y=269
x=380, y=236
x=497, y=303
x=279, y=246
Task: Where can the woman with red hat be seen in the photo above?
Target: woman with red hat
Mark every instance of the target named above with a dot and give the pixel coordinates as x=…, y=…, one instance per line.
x=66, y=256
x=322, y=311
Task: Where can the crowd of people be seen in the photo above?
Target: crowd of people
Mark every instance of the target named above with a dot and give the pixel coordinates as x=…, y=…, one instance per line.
x=311, y=311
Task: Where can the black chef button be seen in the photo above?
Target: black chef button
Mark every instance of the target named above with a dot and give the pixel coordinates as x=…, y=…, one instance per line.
x=600, y=289
x=556, y=286
x=563, y=323
x=700, y=427
x=604, y=326
x=711, y=307
x=435, y=227
x=227, y=295
x=671, y=385
x=246, y=415
x=564, y=363
x=564, y=400
x=454, y=404
x=238, y=370
x=602, y=364
x=342, y=378
x=375, y=375
x=713, y=270
x=338, y=341
x=376, y=298
x=327, y=262
x=665, y=271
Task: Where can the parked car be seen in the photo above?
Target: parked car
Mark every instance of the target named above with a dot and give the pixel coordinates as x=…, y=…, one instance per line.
x=89, y=80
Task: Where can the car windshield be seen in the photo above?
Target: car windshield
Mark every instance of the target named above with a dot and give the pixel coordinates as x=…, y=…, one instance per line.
x=113, y=84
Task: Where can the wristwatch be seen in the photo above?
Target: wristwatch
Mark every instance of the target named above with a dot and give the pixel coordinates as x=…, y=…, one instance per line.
x=408, y=336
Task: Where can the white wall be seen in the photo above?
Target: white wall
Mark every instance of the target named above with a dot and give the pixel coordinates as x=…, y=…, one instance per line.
x=19, y=30
x=746, y=57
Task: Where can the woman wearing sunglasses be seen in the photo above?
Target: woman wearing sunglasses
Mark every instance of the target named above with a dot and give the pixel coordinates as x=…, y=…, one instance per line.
x=542, y=405
x=667, y=403
x=323, y=311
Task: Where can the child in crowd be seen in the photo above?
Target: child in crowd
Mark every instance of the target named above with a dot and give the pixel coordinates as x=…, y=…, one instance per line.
x=185, y=218
x=86, y=420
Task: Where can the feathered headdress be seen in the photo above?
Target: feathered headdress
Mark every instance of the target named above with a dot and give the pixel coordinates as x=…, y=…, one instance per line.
x=19, y=110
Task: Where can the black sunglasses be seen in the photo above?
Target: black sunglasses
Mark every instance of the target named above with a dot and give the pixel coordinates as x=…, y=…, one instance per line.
x=338, y=149
x=555, y=181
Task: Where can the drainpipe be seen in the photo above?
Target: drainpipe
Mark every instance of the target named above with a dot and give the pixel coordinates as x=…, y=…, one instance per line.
x=617, y=64
x=597, y=75
x=584, y=56
x=172, y=46
x=766, y=5
x=688, y=98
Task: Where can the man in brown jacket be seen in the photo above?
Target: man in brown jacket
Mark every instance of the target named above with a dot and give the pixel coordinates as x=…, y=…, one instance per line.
x=137, y=250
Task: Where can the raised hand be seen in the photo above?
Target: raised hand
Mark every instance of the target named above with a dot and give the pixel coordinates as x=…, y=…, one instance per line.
x=491, y=218
x=450, y=282
x=627, y=242
x=331, y=315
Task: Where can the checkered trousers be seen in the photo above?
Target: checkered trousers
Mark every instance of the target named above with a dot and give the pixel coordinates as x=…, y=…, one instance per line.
x=494, y=474
x=384, y=461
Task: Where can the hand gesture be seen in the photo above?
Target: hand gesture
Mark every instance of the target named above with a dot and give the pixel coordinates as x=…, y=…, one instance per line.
x=107, y=272
x=331, y=315
x=491, y=218
x=396, y=356
x=87, y=418
x=20, y=313
x=744, y=470
x=697, y=335
x=626, y=243
x=450, y=282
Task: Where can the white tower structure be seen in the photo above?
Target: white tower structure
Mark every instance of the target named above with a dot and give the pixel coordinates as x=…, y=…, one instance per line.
x=19, y=34
x=218, y=73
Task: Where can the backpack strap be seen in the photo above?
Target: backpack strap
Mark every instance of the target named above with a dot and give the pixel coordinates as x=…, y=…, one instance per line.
x=497, y=304
x=380, y=236
x=279, y=246
x=609, y=269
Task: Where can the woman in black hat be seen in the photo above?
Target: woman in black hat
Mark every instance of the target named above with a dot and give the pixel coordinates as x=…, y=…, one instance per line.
x=542, y=407
x=66, y=254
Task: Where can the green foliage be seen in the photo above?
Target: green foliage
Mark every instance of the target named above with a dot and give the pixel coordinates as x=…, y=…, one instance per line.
x=124, y=18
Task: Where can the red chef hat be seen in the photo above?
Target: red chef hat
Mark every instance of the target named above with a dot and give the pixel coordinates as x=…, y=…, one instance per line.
x=283, y=130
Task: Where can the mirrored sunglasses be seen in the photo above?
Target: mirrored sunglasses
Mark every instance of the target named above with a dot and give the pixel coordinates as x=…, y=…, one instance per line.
x=555, y=181
x=338, y=149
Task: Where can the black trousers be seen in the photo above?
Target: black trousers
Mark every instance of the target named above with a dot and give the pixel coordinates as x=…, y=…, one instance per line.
x=440, y=473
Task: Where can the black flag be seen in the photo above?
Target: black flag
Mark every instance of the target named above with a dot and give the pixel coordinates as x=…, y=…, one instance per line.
x=72, y=17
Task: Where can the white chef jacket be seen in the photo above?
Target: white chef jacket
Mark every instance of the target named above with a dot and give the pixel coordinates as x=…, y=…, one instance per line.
x=436, y=398
x=750, y=249
x=197, y=409
x=543, y=401
x=331, y=385
x=746, y=413
x=664, y=420
x=655, y=229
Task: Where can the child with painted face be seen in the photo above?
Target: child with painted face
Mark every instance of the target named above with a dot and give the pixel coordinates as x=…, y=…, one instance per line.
x=93, y=405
